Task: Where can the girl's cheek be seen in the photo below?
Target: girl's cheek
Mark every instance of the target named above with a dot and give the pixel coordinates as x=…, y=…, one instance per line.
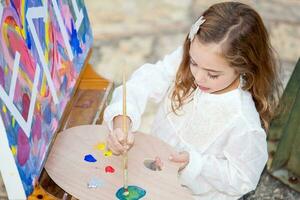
x=192, y=71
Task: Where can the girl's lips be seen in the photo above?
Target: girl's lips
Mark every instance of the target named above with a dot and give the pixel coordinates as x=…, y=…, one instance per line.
x=203, y=88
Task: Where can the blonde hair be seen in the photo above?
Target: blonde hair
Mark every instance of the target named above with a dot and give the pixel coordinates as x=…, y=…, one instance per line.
x=245, y=44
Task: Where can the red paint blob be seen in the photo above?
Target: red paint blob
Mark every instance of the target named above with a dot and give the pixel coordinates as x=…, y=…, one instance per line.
x=109, y=169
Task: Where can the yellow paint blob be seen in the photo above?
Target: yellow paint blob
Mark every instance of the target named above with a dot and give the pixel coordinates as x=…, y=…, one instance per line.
x=100, y=146
x=107, y=153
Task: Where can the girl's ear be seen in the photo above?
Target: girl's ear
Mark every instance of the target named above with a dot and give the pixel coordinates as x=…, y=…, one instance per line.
x=237, y=73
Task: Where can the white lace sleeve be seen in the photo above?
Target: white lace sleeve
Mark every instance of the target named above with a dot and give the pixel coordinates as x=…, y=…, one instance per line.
x=150, y=81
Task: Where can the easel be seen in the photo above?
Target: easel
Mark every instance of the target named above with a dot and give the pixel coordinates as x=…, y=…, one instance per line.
x=54, y=53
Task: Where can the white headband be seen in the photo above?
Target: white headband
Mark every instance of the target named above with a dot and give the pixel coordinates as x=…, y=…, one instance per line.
x=195, y=28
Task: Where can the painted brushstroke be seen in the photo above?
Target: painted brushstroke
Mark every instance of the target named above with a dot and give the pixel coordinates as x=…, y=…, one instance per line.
x=95, y=183
x=135, y=193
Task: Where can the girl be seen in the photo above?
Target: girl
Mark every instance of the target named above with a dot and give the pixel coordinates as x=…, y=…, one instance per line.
x=217, y=95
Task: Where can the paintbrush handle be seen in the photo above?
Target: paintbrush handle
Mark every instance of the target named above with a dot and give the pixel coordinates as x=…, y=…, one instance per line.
x=124, y=127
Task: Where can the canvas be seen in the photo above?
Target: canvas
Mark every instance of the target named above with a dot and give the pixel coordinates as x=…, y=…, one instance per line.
x=43, y=46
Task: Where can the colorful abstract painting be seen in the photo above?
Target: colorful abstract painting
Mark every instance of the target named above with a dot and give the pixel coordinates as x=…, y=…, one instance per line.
x=43, y=45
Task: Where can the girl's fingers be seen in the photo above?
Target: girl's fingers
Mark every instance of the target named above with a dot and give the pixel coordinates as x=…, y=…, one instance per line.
x=110, y=145
x=158, y=162
x=179, y=157
x=111, y=148
x=182, y=158
x=117, y=143
x=114, y=143
x=130, y=139
x=120, y=135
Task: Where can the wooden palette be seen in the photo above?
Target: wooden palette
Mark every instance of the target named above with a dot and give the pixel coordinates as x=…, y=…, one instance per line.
x=66, y=166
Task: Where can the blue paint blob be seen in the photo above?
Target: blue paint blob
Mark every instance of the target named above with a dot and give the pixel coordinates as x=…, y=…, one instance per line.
x=89, y=158
x=75, y=44
x=135, y=193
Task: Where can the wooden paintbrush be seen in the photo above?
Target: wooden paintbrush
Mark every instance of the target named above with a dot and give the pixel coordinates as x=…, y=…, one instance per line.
x=125, y=130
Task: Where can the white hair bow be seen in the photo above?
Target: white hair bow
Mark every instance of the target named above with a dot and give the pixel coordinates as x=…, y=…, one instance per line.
x=195, y=28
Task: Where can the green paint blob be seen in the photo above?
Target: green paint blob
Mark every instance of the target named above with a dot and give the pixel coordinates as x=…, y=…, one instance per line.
x=135, y=193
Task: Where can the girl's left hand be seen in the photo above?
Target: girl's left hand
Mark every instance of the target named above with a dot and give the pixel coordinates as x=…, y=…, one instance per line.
x=181, y=157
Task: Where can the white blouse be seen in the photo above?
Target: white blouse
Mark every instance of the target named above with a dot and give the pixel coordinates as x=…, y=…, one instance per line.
x=221, y=132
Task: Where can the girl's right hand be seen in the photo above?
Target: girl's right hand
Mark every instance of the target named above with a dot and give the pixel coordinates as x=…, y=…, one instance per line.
x=116, y=140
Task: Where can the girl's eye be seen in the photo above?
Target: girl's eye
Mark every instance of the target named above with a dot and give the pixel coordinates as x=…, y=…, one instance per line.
x=192, y=63
x=212, y=76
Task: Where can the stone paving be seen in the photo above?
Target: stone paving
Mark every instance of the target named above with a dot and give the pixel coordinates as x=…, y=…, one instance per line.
x=144, y=31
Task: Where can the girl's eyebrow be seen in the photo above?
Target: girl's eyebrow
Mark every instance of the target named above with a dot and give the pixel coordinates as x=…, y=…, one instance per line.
x=207, y=69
